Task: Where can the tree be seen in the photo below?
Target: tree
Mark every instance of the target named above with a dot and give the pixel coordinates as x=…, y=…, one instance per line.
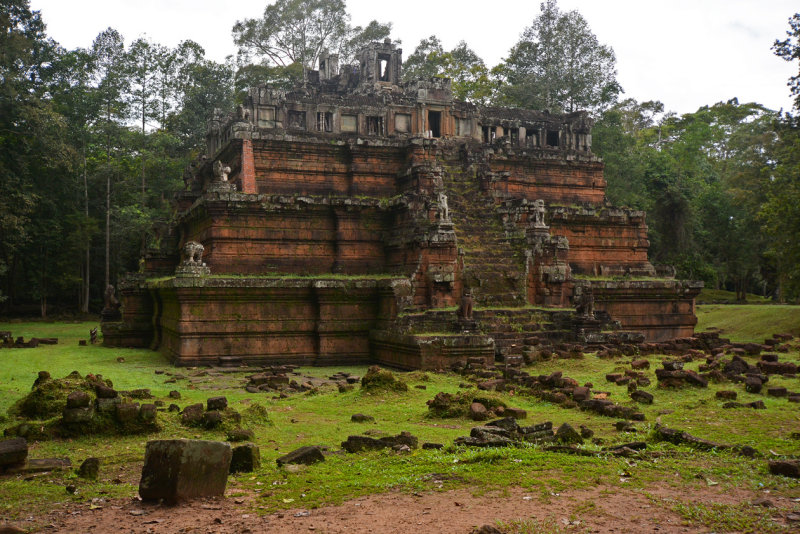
x=471, y=79
x=33, y=149
x=559, y=65
x=298, y=31
x=789, y=49
x=108, y=50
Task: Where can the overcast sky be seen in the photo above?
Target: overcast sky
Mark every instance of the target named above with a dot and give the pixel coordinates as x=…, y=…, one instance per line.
x=686, y=53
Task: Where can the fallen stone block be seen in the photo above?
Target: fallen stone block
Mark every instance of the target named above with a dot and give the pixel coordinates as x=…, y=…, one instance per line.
x=245, y=458
x=679, y=437
x=753, y=384
x=566, y=434
x=40, y=465
x=13, y=452
x=516, y=413
x=506, y=423
x=180, y=469
x=478, y=412
x=216, y=403
x=642, y=396
x=78, y=399
x=192, y=414
x=787, y=468
x=304, y=455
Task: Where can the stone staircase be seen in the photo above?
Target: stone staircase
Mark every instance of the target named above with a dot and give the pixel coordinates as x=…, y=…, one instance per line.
x=494, y=263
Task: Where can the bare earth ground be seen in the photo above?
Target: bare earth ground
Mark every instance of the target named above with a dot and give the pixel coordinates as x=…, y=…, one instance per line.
x=459, y=511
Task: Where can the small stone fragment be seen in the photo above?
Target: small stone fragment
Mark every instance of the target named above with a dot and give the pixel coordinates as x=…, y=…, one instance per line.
x=90, y=468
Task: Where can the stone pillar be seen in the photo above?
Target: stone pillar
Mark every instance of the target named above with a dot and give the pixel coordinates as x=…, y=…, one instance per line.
x=248, y=172
x=523, y=133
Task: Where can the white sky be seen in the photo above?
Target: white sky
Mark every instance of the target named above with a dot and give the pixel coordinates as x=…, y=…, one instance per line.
x=686, y=53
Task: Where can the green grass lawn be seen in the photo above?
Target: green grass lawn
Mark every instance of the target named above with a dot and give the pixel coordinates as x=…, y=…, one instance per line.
x=708, y=295
x=323, y=418
x=748, y=322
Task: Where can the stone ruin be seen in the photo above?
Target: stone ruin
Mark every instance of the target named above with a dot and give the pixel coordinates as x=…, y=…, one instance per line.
x=360, y=219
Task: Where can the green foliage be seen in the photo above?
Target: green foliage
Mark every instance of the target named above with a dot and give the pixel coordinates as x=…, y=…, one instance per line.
x=298, y=31
x=789, y=50
x=93, y=143
x=559, y=65
x=471, y=79
x=702, y=178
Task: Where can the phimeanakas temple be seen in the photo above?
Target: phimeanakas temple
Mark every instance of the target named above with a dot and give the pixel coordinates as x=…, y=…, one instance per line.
x=358, y=218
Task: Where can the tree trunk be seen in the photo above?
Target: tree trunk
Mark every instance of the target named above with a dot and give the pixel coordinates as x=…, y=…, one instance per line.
x=88, y=264
x=108, y=196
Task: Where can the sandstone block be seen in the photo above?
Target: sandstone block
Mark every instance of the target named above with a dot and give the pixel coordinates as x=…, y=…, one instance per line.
x=78, y=399
x=180, y=469
x=217, y=403
x=787, y=468
x=13, y=452
x=127, y=412
x=78, y=415
x=642, y=396
x=304, y=455
x=478, y=412
x=192, y=414
x=567, y=434
x=105, y=392
x=245, y=458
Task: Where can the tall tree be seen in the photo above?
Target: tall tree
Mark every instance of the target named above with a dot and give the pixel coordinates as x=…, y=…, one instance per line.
x=108, y=50
x=298, y=31
x=789, y=49
x=471, y=80
x=558, y=64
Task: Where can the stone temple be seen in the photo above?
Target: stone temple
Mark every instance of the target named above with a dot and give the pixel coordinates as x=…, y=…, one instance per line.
x=357, y=218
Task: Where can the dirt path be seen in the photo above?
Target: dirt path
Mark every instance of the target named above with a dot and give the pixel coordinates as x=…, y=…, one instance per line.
x=457, y=512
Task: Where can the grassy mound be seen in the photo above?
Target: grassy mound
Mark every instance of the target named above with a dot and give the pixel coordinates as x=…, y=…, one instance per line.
x=48, y=397
x=379, y=380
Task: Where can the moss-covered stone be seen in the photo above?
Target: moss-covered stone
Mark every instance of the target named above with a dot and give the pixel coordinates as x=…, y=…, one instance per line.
x=379, y=380
x=449, y=405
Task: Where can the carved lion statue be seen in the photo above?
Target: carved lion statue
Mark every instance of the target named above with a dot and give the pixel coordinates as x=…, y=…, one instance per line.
x=192, y=253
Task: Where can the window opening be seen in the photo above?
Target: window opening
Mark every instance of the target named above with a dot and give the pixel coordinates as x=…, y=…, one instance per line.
x=552, y=138
x=324, y=121
x=374, y=125
x=383, y=68
x=435, y=123
x=532, y=138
